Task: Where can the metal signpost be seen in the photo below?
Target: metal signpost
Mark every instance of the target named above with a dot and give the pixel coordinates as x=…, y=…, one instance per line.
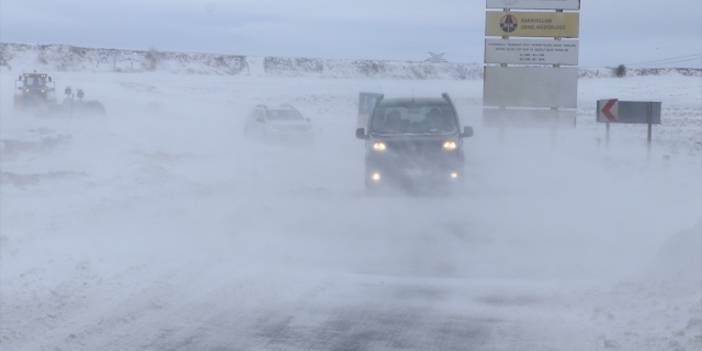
x=530, y=79
x=630, y=112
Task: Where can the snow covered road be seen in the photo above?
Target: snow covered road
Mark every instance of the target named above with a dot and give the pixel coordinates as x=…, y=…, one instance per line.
x=158, y=227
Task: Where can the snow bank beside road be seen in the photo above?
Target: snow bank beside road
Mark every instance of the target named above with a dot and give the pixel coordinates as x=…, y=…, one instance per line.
x=679, y=262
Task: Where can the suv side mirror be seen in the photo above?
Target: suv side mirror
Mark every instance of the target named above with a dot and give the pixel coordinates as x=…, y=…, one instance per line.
x=361, y=134
x=467, y=132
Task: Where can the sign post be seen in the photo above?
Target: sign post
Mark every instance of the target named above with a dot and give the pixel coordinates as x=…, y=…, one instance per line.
x=649, y=119
x=531, y=58
x=649, y=137
x=611, y=111
x=607, y=136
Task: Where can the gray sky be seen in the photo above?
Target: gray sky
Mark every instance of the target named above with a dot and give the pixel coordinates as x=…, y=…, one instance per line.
x=612, y=31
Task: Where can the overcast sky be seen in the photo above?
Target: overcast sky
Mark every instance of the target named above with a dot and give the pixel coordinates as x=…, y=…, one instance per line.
x=612, y=31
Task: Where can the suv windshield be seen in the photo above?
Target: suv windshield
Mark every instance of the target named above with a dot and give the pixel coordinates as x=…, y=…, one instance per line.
x=414, y=118
x=284, y=115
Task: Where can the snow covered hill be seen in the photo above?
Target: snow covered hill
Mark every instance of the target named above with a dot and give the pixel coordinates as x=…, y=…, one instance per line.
x=66, y=58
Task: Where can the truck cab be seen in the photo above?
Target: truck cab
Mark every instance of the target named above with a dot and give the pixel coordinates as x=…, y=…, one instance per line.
x=34, y=90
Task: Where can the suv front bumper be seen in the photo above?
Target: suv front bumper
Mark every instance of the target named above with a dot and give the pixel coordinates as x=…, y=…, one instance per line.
x=394, y=169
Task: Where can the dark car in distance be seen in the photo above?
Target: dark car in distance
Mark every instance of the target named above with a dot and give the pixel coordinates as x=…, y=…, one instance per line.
x=282, y=123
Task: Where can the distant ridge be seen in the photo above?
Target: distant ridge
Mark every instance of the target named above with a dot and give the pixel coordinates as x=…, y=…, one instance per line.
x=57, y=57
x=68, y=58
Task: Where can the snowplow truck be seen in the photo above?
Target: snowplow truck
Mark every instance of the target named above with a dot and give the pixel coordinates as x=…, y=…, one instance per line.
x=34, y=90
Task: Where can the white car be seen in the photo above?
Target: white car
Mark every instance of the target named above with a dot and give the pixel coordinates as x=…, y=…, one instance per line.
x=282, y=123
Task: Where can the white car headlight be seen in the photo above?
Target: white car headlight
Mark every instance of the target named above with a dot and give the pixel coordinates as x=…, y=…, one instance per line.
x=450, y=145
x=379, y=146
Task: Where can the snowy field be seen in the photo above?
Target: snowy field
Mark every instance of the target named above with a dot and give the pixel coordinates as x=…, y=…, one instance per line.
x=159, y=227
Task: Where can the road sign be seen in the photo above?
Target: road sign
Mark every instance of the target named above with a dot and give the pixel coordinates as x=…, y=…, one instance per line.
x=607, y=110
x=534, y=4
x=528, y=118
x=532, y=24
x=531, y=87
x=633, y=112
x=531, y=51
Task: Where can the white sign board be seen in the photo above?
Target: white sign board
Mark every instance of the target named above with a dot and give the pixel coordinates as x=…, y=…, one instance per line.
x=525, y=51
x=534, y=4
x=532, y=118
x=531, y=87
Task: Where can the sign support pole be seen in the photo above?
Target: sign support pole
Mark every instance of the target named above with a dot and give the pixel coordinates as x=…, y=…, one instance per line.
x=501, y=107
x=554, y=128
x=607, y=136
x=648, y=146
x=633, y=112
x=649, y=137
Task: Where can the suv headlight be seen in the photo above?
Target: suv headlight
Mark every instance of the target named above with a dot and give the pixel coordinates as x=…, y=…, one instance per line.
x=450, y=145
x=379, y=146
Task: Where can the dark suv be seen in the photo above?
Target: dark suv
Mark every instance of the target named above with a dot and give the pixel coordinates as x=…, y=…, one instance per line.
x=412, y=142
